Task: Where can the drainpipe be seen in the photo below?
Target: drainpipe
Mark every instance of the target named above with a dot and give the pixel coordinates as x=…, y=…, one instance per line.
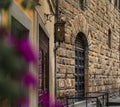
x=56, y=44
x=57, y=11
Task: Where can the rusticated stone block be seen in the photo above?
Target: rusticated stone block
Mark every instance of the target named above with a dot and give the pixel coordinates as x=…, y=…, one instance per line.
x=63, y=70
x=61, y=93
x=68, y=83
x=70, y=69
x=61, y=83
x=61, y=76
x=70, y=76
x=70, y=92
x=67, y=39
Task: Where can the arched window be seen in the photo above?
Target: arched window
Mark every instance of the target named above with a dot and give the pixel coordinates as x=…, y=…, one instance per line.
x=80, y=66
x=82, y=4
x=117, y=4
x=109, y=38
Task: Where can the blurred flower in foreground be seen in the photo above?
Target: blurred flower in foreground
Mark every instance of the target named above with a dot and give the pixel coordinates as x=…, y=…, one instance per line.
x=46, y=101
x=29, y=80
x=15, y=56
x=26, y=50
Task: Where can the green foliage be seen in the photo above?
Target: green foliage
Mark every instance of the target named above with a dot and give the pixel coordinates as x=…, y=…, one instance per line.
x=9, y=88
x=5, y=4
x=11, y=66
x=27, y=4
x=10, y=62
x=24, y=3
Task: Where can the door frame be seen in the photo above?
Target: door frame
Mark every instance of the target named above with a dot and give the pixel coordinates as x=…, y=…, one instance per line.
x=39, y=23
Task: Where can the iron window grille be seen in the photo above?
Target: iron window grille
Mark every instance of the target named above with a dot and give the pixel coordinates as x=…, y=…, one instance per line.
x=82, y=4
x=79, y=68
x=109, y=38
x=117, y=4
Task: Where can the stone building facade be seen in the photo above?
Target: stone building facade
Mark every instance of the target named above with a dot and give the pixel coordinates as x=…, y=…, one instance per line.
x=89, y=59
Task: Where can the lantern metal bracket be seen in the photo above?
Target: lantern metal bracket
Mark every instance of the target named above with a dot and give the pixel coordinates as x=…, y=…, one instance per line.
x=59, y=31
x=48, y=17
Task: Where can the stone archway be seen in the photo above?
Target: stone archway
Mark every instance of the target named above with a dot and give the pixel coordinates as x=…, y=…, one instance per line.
x=80, y=65
x=80, y=25
x=66, y=57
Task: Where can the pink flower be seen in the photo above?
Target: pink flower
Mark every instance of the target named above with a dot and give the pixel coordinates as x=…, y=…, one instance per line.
x=29, y=80
x=44, y=99
x=26, y=51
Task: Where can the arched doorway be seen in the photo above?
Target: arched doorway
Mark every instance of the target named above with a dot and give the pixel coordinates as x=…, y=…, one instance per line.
x=80, y=48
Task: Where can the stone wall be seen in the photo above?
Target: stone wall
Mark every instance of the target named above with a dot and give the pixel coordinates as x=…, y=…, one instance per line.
x=102, y=71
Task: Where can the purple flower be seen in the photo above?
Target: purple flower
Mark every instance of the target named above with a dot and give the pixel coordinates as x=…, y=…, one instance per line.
x=24, y=102
x=44, y=99
x=26, y=50
x=29, y=80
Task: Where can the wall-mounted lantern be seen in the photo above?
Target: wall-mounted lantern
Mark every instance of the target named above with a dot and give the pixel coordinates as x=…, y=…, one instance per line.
x=59, y=31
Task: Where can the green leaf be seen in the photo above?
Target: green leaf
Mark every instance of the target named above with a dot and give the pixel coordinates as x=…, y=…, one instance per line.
x=9, y=88
x=10, y=61
x=32, y=4
x=24, y=3
x=5, y=4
